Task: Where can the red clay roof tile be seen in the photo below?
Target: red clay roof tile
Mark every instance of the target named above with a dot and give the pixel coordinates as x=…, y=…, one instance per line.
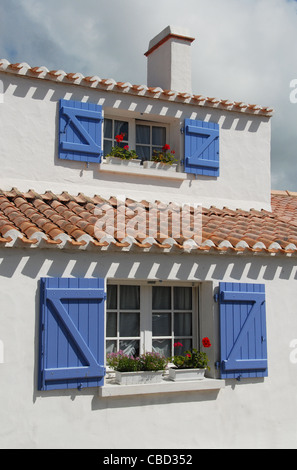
x=79, y=218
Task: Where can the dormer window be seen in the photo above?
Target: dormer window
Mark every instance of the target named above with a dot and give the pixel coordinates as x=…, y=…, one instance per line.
x=80, y=138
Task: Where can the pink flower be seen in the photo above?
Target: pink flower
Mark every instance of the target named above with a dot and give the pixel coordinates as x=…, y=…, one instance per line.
x=176, y=345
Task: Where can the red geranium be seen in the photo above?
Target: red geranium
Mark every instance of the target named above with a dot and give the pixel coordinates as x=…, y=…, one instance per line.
x=119, y=137
x=166, y=147
x=126, y=147
x=206, y=343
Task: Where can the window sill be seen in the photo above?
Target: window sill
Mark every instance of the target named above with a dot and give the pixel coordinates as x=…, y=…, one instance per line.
x=111, y=389
x=141, y=171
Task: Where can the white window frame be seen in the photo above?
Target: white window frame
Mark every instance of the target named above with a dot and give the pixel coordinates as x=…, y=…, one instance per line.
x=132, y=129
x=146, y=312
x=203, y=301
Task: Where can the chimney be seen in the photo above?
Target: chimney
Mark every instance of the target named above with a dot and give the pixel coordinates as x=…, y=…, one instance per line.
x=169, y=60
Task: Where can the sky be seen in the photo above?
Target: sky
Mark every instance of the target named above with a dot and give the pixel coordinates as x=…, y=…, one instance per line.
x=244, y=50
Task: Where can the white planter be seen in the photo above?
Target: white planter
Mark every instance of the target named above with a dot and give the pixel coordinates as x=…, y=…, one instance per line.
x=141, y=377
x=120, y=161
x=159, y=166
x=181, y=375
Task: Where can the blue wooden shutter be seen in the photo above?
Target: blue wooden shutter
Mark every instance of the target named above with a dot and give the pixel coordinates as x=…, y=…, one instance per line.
x=71, y=333
x=202, y=148
x=80, y=131
x=243, y=330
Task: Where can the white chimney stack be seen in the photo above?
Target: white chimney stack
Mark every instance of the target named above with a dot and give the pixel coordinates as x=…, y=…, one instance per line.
x=169, y=60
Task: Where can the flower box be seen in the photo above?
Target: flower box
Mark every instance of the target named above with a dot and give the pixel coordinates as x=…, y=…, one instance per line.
x=181, y=375
x=139, y=377
x=120, y=161
x=159, y=165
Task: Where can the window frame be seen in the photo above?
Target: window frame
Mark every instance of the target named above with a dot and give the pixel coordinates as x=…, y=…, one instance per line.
x=132, y=122
x=146, y=311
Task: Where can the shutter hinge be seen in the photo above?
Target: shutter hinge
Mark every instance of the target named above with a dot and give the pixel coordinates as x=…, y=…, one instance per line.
x=217, y=365
x=216, y=297
x=182, y=130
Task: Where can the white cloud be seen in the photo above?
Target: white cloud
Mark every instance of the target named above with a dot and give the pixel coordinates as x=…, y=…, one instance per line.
x=244, y=50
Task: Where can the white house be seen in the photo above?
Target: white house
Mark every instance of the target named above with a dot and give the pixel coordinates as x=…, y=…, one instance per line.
x=98, y=256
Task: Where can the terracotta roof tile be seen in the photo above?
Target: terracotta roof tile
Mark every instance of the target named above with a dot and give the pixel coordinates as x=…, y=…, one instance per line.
x=92, y=223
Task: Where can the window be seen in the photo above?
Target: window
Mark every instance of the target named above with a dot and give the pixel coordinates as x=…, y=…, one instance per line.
x=143, y=136
x=113, y=127
x=150, y=317
x=149, y=137
x=123, y=319
x=172, y=319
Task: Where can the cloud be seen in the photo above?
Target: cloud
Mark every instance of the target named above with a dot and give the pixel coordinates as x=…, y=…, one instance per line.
x=244, y=50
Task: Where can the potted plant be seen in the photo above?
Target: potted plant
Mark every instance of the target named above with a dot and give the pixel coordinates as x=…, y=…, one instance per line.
x=119, y=155
x=163, y=159
x=191, y=365
x=146, y=368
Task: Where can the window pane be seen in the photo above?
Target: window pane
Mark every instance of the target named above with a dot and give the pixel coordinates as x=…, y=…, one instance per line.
x=121, y=127
x=111, y=346
x=130, y=347
x=162, y=324
x=186, y=345
x=183, y=324
x=142, y=134
x=111, y=297
x=111, y=324
x=182, y=298
x=129, y=324
x=130, y=297
x=159, y=136
x=108, y=128
x=161, y=298
x=162, y=346
x=144, y=153
x=107, y=147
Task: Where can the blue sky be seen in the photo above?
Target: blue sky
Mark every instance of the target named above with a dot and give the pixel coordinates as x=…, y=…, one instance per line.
x=245, y=50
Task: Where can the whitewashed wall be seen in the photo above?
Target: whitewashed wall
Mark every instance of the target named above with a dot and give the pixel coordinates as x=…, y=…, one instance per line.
x=29, y=148
x=255, y=413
